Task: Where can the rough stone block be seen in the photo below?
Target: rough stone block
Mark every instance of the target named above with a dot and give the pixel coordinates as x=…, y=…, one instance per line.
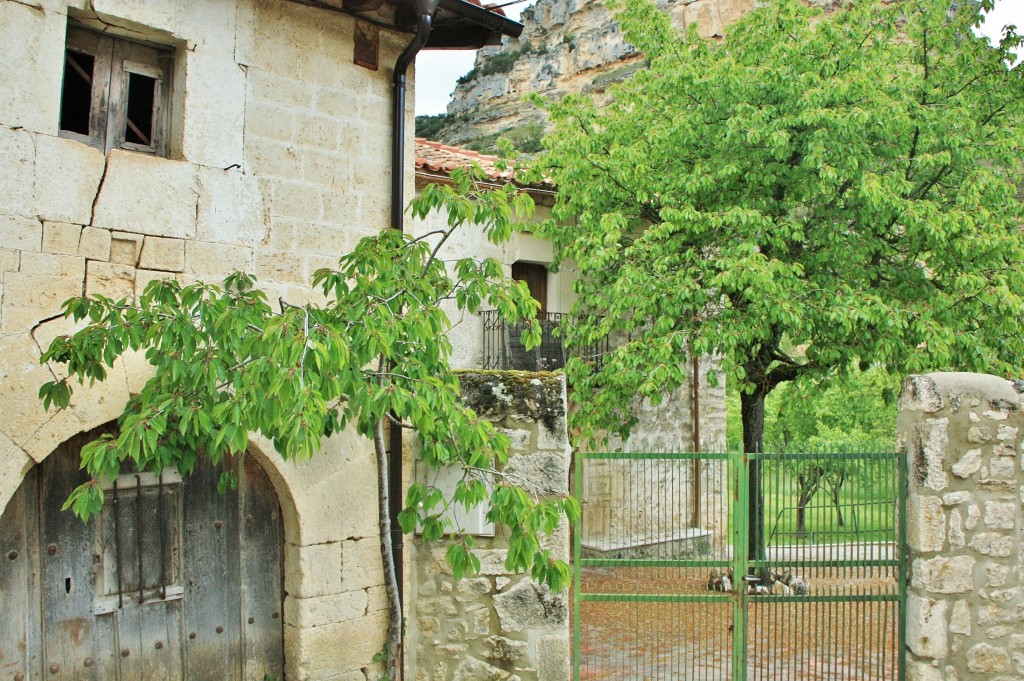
x=110, y=279
x=61, y=237
x=36, y=293
x=926, y=527
x=148, y=195
x=334, y=651
x=20, y=378
x=212, y=262
x=470, y=590
x=555, y=437
x=161, y=253
x=271, y=122
x=361, y=566
x=17, y=170
x=376, y=599
x=472, y=669
x=978, y=435
x=960, y=618
x=68, y=176
x=273, y=159
x=926, y=627
x=320, y=610
x=492, y=561
x=296, y=200
x=267, y=88
x=1002, y=468
x=36, y=58
x=10, y=260
x=231, y=208
x=968, y=465
x=313, y=570
x=549, y=471
x=215, y=101
x=934, y=441
x=280, y=267
x=21, y=233
x=957, y=536
x=503, y=650
x=997, y=575
x=1005, y=433
x=553, y=658
x=919, y=393
x=1000, y=515
x=528, y=605
x=95, y=244
x=944, y=575
x=519, y=438
x=992, y=544
x=125, y=248
x=984, y=658
x=14, y=464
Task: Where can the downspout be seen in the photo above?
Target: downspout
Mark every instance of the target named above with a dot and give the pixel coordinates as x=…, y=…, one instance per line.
x=425, y=10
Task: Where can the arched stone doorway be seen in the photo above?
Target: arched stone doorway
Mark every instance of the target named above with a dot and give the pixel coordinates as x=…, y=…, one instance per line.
x=172, y=581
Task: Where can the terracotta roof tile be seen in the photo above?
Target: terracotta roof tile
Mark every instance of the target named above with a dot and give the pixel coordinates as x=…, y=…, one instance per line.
x=437, y=157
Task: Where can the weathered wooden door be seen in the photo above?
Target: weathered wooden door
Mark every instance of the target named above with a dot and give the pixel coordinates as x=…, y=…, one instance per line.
x=172, y=581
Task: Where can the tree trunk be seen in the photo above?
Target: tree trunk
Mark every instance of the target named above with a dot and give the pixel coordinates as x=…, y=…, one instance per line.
x=752, y=414
x=393, y=648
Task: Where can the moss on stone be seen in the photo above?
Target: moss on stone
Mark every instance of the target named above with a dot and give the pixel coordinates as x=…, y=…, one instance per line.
x=530, y=395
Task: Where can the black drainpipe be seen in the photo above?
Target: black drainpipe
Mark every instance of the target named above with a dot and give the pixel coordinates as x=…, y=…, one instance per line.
x=425, y=10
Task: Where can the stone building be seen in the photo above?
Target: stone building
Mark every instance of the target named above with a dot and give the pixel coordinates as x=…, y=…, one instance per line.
x=144, y=139
x=620, y=519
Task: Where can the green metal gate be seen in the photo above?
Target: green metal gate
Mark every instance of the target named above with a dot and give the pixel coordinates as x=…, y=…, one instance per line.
x=665, y=586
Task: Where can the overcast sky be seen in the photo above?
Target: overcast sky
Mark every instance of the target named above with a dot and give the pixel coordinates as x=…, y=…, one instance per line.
x=437, y=70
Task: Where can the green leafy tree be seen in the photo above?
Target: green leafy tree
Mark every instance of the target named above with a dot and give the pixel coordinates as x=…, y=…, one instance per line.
x=372, y=351
x=844, y=184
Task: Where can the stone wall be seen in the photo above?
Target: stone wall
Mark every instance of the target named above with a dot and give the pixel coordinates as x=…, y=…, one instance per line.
x=278, y=164
x=965, y=606
x=497, y=625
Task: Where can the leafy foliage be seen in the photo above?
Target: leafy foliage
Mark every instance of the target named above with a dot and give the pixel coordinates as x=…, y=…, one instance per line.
x=844, y=185
x=228, y=363
x=525, y=139
x=855, y=410
x=431, y=126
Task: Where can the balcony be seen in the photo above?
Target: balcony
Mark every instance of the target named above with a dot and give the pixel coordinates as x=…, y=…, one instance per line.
x=503, y=346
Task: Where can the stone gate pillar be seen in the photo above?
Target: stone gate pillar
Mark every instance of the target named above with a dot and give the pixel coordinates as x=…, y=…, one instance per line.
x=965, y=607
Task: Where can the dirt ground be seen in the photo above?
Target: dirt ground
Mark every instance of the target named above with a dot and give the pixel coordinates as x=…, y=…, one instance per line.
x=800, y=640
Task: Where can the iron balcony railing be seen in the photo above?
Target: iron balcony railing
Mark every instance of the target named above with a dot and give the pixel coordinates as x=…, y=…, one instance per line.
x=504, y=349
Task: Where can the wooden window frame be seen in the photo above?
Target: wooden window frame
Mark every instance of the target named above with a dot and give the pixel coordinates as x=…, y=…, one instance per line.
x=115, y=59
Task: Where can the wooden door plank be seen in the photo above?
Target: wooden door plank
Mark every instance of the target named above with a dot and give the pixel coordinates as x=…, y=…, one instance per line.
x=34, y=625
x=67, y=580
x=261, y=543
x=159, y=661
x=15, y=637
x=129, y=640
x=210, y=577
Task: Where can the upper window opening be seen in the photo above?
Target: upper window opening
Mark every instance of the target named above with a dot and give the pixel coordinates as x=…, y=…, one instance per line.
x=536, y=278
x=76, y=99
x=115, y=92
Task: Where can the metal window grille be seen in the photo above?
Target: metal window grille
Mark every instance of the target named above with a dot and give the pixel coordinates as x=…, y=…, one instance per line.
x=504, y=349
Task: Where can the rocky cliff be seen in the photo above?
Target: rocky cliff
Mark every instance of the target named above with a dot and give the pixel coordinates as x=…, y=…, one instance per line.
x=568, y=46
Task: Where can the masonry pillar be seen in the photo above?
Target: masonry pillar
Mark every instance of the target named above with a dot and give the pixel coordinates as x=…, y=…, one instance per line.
x=965, y=606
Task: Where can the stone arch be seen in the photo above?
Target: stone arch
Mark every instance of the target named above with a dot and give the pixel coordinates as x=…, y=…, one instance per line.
x=201, y=579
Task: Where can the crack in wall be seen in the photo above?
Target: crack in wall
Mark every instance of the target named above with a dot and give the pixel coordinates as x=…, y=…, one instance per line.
x=31, y=5
x=99, y=190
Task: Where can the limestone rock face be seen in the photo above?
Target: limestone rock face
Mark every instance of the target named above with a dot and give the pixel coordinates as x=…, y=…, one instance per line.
x=567, y=47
